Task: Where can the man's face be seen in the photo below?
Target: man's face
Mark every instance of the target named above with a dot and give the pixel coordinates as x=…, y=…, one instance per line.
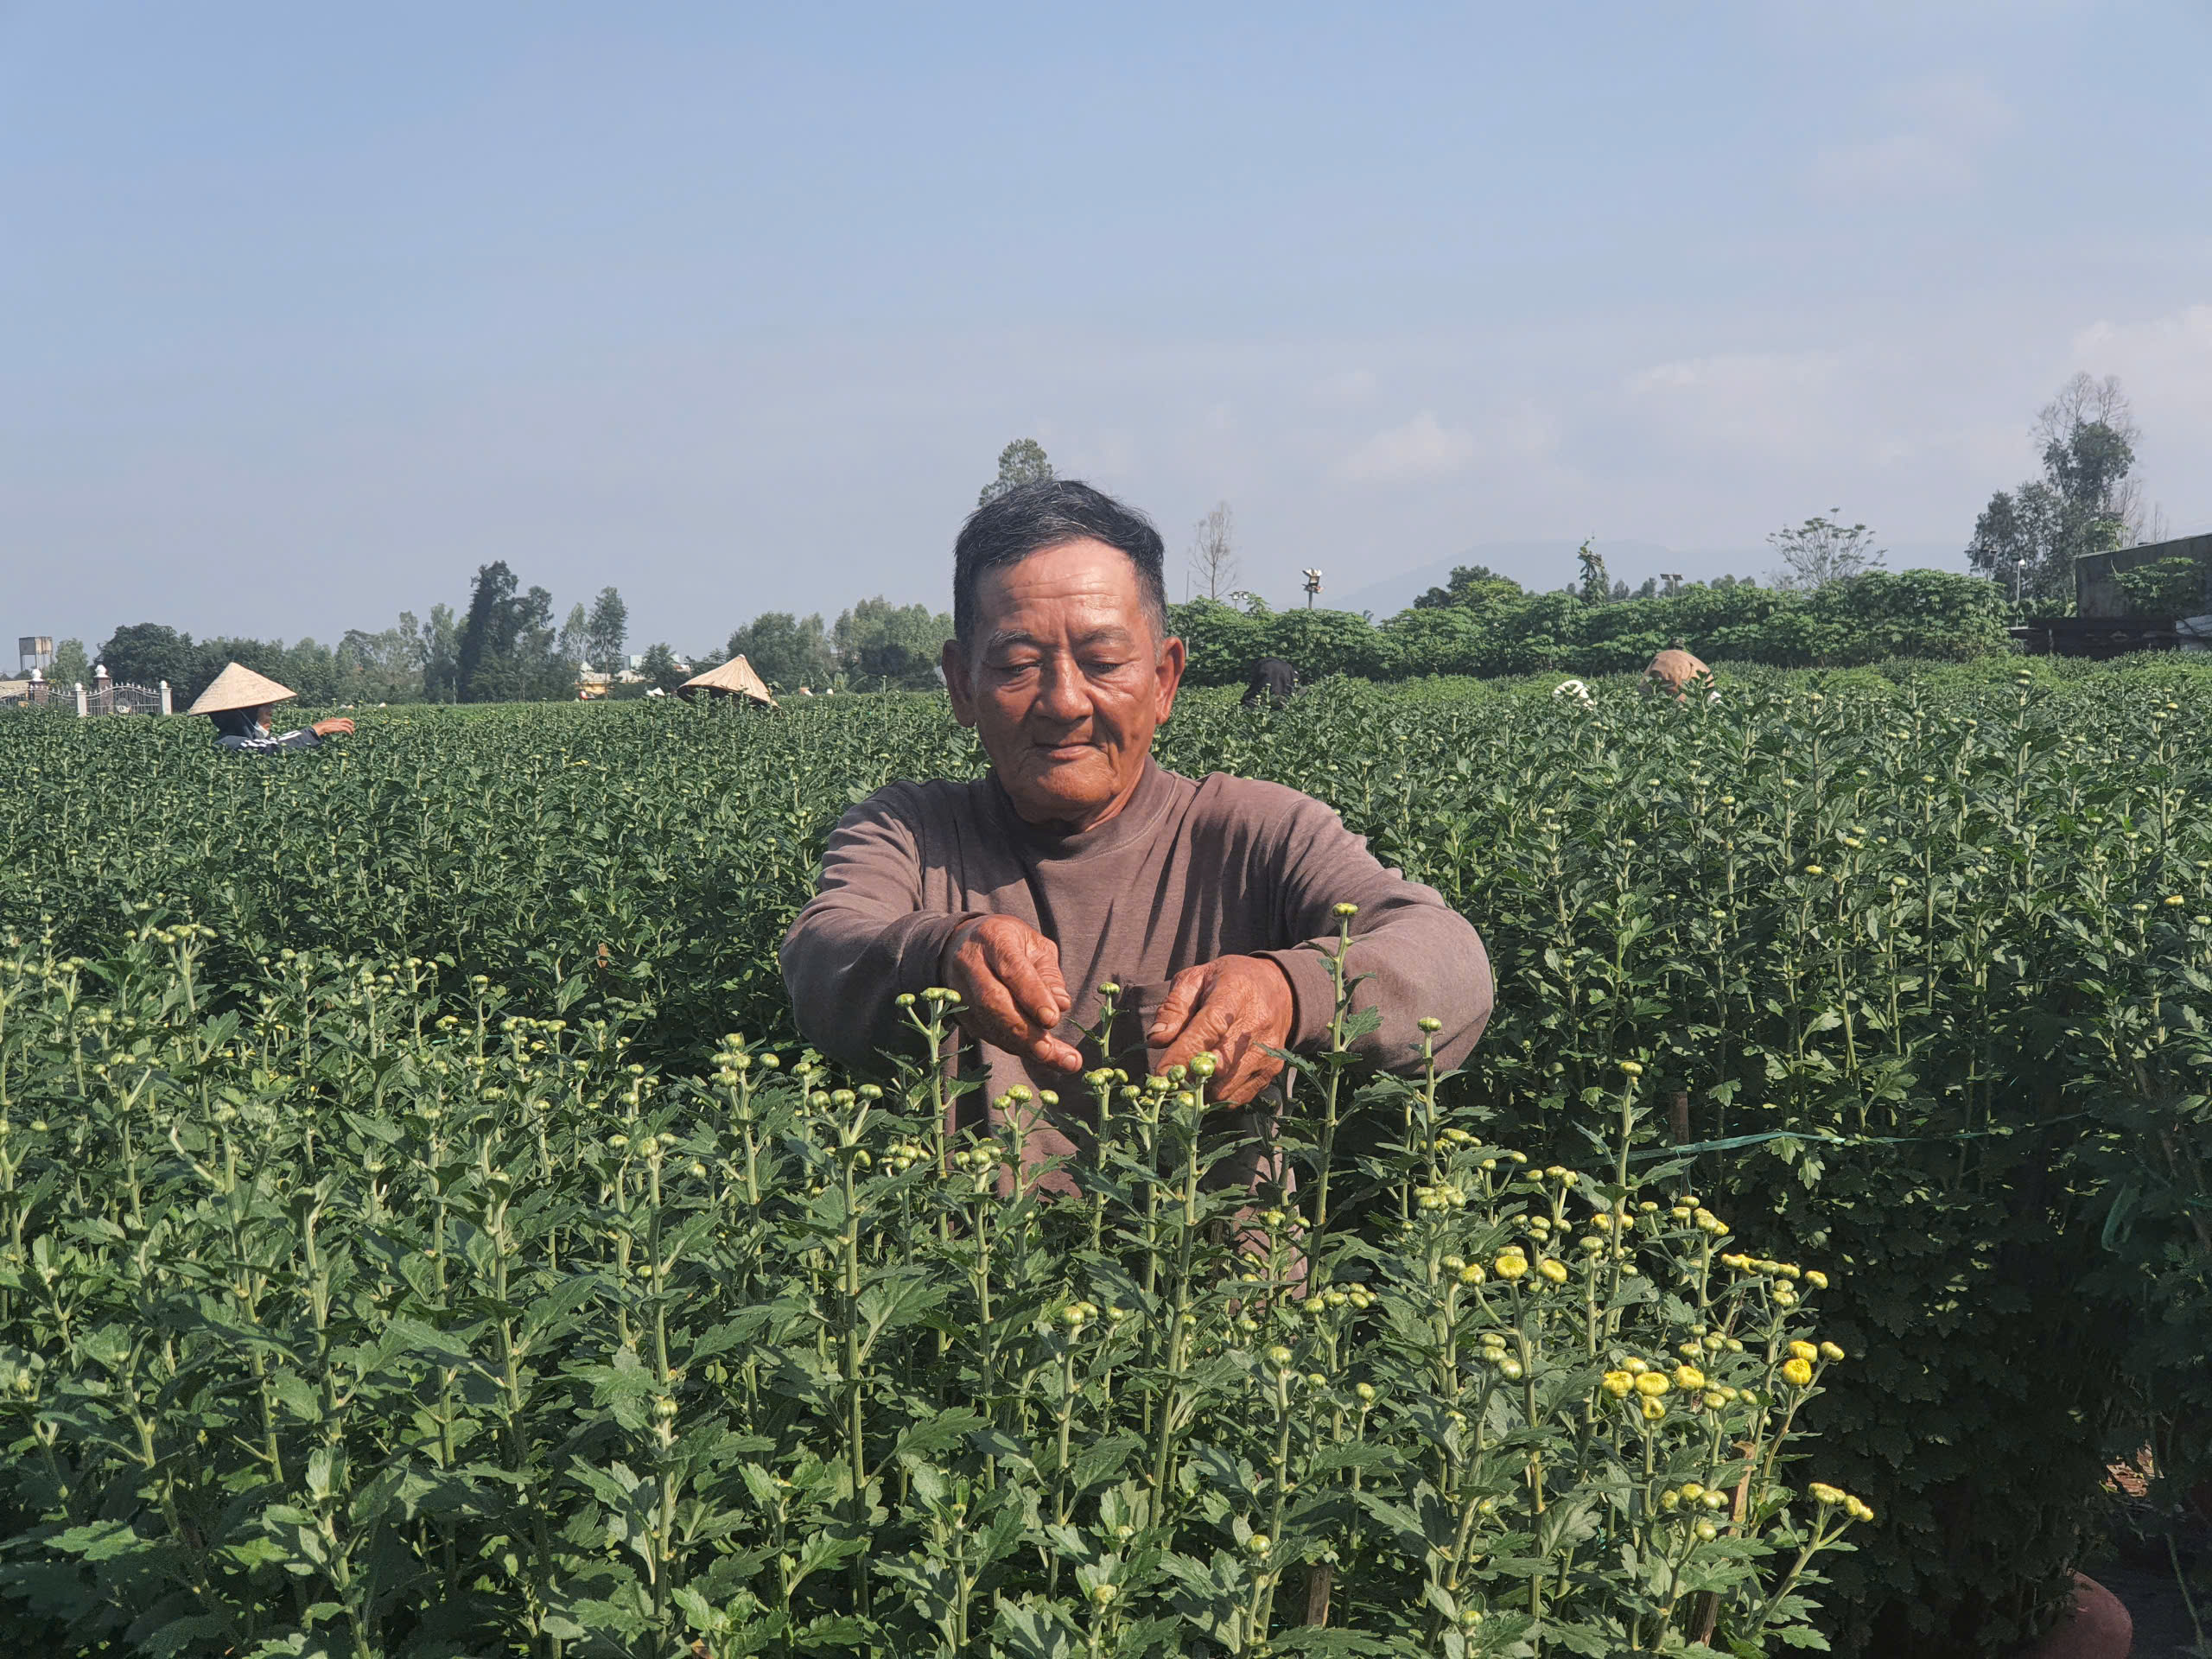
x=1068, y=683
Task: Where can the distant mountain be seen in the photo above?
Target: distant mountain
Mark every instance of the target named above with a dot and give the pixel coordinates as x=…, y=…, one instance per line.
x=1542, y=566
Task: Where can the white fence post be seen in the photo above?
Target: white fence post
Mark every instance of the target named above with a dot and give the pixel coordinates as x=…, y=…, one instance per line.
x=81, y=710
x=165, y=698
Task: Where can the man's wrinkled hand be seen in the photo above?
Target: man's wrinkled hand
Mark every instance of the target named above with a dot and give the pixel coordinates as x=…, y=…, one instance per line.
x=1236, y=1006
x=1011, y=996
x=337, y=726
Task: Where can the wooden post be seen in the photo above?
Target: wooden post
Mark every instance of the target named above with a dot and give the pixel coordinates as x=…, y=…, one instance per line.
x=1320, y=1577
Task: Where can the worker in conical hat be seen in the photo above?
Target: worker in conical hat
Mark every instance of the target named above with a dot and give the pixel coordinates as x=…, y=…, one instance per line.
x=240, y=702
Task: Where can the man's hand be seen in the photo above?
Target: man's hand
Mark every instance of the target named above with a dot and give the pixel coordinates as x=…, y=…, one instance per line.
x=337, y=726
x=1011, y=996
x=1236, y=1006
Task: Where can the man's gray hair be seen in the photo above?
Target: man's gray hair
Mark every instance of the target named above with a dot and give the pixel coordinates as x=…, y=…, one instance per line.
x=1051, y=513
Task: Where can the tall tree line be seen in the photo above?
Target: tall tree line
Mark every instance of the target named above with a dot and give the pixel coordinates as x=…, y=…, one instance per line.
x=873, y=646
x=503, y=647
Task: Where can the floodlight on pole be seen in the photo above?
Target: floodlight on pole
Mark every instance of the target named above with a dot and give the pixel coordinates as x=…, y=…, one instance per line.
x=1312, y=586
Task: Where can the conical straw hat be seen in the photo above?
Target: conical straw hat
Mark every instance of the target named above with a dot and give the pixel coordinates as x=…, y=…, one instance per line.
x=1675, y=668
x=734, y=675
x=238, y=686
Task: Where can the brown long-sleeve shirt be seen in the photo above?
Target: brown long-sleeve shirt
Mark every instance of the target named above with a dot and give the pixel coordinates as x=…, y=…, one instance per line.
x=1186, y=873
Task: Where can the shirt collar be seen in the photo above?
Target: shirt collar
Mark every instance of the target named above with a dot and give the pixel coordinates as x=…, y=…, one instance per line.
x=1136, y=822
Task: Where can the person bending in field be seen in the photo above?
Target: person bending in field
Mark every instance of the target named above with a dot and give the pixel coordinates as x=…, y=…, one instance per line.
x=1077, y=861
x=1272, y=682
x=241, y=704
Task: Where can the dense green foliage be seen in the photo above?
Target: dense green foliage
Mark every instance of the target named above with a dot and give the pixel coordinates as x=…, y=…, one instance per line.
x=1022, y=461
x=2169, y=586
x=504, y=647
x=1955, y=922
x=507, y=650
x=386, y=667
x=331, y=1326
x=1488, y=630
x=886, y=647
x=788, y=651
x=2030, y=535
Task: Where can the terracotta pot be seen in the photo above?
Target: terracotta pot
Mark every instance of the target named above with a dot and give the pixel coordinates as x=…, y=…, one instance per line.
x=2098, y=1628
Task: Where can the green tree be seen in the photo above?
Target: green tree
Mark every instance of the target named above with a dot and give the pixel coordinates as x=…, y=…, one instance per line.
x=1596, y=590
x=509, y=648
x=606, y=631
x=306, y=668
x=384, y=666
x=575, y=634
x=542, y=674
x=1472, y=585
x=660, y=667
x=786, y=650
x=886, y=647
x=2027, y=539
x=146, y=654
x=71, y=666
x=438, y=646
x=1020, y=463
x=488, y=635
x=1821, y=550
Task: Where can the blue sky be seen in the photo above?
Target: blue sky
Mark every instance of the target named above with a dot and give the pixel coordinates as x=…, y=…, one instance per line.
x=305, y=312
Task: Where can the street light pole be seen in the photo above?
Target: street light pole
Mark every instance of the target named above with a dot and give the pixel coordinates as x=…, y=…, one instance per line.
x=1312, y=587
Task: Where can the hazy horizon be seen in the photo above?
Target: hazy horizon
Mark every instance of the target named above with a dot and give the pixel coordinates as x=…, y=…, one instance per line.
x=312, y=313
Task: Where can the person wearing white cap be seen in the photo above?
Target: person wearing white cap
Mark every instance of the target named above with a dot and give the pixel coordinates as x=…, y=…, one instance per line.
x=240, y=702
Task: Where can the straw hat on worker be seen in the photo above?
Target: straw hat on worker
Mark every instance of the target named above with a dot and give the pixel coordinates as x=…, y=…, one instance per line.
x=240, y=702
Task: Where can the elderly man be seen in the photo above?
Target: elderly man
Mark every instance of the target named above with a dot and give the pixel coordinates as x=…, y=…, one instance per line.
x=1078, y=862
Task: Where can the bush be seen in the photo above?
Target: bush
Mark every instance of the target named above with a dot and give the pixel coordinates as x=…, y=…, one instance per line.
x=479, y=1341
x=1917, y=614
x=2172, y=586
x=1897, y=936
x=1828, y=907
